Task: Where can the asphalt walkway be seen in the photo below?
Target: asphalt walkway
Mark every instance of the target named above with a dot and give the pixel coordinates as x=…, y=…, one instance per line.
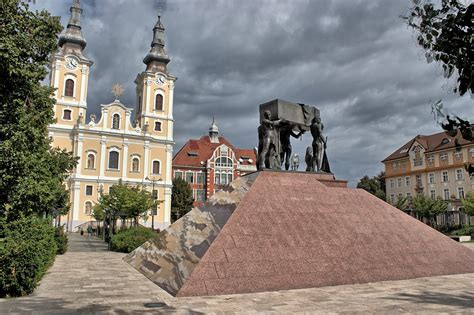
x=88, y=279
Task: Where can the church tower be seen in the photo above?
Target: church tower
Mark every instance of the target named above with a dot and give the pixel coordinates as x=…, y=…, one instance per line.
x=70, y=72
x=155, y=87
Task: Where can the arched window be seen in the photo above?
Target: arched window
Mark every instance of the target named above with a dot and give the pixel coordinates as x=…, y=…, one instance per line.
x=156, y=167
x=135, y=164
x=113, y=160
x=69, y=89
x=88, y=208
x=116, y=121
x=159, y=102
x=90, y=161
x=67, y=114
x=224, y=162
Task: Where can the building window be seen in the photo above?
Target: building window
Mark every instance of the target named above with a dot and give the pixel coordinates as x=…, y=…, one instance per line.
x=223, y=162
x=392, y=198
x=135, y=165
x=461, y=192
x=200, y=195
x=190, y=177
x=116, y=121
x=113, y=160
x=178, y=174
x=156, y=167
x=395, y=166
x=223, y=178
x=67, y=114
x=409, y=196
x=407, y=181
x=157, y=126
x=418, y=181
x=392, y=183
x=472, y=152
x=200, y=178
x=418, y=161
x=88, y=207
x=433, y=194
x=458, y=156
x=446, y=194
x=90, y=161
x=404, y=166
x=89, y=190
x=430, y=160
x=445, y=176
x=431, y=178
x=399, y=182
x=443, y=157
x=69, y=89
x=159, y=102
x=459, y=174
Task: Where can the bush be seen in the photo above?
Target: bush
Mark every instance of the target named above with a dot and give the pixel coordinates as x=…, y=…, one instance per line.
x=466, y=230
x=126, y=241
x=61, y=240
x=27, y=249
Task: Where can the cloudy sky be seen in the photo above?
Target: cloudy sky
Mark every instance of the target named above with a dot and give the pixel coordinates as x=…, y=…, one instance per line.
x=355, y=60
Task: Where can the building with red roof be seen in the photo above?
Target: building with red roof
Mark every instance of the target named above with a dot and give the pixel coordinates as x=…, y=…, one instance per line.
x=211, y=162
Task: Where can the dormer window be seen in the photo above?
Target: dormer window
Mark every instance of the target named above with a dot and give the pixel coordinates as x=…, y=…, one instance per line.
x=116, y=121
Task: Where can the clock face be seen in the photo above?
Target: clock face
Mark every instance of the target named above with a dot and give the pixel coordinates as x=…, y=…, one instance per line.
x=71, y=63
x=160, y=79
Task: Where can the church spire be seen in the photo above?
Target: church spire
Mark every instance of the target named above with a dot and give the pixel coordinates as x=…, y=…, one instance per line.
x=73, y=33
x=157, y=57
x=214, y=131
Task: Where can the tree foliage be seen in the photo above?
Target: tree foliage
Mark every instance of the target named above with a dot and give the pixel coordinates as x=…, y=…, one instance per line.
x=181, y=198
x=374, y=185
x=124, y=201
x=403, y=203
x=429, y=208
x=468, y=204
x=445, y=32
x=31, y=173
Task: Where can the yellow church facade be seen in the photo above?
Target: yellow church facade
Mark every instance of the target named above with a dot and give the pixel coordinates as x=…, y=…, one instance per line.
x=112, y=147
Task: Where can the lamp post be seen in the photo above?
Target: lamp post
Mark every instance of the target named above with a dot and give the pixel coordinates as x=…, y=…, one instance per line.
x=155, y=196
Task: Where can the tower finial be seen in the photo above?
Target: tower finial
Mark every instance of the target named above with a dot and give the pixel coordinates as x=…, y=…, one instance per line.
x=214, y=131
x=73, y=33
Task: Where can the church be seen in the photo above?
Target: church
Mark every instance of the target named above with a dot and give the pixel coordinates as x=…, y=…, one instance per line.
x=112, y=147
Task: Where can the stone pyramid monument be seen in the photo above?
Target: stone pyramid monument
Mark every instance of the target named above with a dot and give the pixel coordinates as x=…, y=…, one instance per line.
x=278, y=230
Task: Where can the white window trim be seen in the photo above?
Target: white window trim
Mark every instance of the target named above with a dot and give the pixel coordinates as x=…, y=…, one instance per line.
x=113, y=149
x=112, y=120
x=65, y=109
x=161, y=92
x=182, y=174
x=186, y=177
x=462, y=174
x=85, y=192
x=73, y=77
x=159, y=171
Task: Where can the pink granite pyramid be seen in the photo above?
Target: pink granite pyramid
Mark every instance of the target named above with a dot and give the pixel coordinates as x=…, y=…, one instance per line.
x=302, y=230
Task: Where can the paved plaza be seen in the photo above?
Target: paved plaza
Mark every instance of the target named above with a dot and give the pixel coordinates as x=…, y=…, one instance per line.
x=88, y=279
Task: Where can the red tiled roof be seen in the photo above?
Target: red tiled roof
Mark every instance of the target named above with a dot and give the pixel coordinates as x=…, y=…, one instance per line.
x=196, y=151
x=434, y=142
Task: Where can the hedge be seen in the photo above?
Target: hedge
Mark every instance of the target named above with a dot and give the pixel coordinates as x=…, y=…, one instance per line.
x=126, y=241
x=61, y=240
x=465, y=230
x=27, y=249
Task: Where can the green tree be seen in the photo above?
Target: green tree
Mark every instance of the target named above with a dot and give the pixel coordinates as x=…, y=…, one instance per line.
x=468, y=204
x=31, y=173
x=446, y=32
x=374, y=185
x=125, y=202
x=181, y=199
x=428, y=208
x=403, y=203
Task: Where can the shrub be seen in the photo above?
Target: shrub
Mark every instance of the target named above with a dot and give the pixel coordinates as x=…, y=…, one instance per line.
x=126, y=241
x=27, y=249
x=466, y=230
x=61, y=240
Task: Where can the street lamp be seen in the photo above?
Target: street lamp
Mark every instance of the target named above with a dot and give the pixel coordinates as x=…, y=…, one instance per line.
x=155, y=196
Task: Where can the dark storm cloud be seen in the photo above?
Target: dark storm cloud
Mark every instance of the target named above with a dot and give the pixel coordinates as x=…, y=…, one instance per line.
x=355, y=60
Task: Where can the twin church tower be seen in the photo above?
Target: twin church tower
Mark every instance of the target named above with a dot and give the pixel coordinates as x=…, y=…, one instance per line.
x=112, y=147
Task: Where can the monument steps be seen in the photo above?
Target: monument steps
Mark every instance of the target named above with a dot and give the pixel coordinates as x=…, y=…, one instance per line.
x=293, y=230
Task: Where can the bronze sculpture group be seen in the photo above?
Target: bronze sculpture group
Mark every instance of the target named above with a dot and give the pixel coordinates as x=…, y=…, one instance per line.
x=274, y=145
